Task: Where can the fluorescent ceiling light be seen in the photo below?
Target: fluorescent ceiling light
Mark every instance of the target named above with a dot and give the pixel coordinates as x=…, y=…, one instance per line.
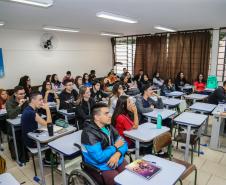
x=54, y=28
x=115, y=17
x=164, y=28
x=41, y=3
x=111, y=34
x=2, y=23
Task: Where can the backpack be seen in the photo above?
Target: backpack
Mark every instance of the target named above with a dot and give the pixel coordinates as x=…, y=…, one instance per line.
x=2, y=165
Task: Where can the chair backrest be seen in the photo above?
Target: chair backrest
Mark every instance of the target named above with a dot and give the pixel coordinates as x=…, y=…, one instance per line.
x=162, y=141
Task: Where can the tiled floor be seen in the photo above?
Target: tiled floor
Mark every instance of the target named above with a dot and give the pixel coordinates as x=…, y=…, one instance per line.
x=211, y=168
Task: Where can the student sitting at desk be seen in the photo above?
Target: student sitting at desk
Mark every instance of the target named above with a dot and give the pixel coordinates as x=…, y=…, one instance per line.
x=167, y=87
x=102, y=146
x=68, y=96
x=78, y=83
x=121, y=118
x=84, y=105
x=30, y=120
x=157, y=81
x=145, y=103
x=3, y=98
x=49, y=94
x=219, y=95
x=25, y=82
x=85, y=80
x=96, y=93
x=180, y=81
x=117, y=91
x=16, y=104
x=68, y=77
x=199, y=84
x=56, y=84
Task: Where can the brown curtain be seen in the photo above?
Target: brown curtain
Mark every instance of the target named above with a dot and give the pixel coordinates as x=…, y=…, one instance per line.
x=188, y=52
x=150, y=54
x=113, y=44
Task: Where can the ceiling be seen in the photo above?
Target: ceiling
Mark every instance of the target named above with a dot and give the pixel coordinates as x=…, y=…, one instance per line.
x=177, y=14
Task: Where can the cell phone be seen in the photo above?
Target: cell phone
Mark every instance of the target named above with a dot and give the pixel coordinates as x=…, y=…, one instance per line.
x=37, y=131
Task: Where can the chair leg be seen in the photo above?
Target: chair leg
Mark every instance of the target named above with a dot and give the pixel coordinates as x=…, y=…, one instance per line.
x=33, y=160
x=181, y=183
x=199, y=143
x=192, y=153
x=195, y=176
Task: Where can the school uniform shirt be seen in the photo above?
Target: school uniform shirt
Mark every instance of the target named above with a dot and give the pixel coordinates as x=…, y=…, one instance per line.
x=123, y=123
x=199, y=86
x=67, y=99
x=28, y=124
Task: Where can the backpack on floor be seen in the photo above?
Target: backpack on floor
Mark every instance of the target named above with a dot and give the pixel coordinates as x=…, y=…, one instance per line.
x=2, y=165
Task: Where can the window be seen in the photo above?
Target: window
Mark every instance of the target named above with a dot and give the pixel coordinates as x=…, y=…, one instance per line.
x=221, y=61
x=125, y=54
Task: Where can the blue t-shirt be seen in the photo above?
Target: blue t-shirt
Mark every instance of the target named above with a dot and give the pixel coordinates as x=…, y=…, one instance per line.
x=28, y=124
x=50, y=97
x=145, y=103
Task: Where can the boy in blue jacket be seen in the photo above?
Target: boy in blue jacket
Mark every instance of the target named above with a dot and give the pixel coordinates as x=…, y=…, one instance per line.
x=102, y=146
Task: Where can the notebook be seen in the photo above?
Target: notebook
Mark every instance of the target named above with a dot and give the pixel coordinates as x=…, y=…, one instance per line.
x=143, y=168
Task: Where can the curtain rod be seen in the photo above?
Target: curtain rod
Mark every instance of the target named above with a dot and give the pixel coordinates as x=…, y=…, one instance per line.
x=141, y=35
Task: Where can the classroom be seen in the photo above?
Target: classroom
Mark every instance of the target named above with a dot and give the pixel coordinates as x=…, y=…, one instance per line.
x=100, y=92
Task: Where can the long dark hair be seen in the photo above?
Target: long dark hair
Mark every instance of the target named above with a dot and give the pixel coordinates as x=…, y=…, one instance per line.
x=203, y=81
x=24, y=84
x=82, y=91
x=76, y=81
x=83, y=78
x=178, y=76
x=121, y=108
x=44, y=86
x=53, y=79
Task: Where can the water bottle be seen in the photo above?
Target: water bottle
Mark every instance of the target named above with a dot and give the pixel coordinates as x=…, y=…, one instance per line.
x=159, y=121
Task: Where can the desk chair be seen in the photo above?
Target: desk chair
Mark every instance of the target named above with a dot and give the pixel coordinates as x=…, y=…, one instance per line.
x=164, y=140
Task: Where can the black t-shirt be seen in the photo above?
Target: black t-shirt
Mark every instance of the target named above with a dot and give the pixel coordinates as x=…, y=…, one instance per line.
x=28, y=124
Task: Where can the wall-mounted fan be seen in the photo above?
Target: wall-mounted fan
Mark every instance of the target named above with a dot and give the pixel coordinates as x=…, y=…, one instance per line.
x=47, y=41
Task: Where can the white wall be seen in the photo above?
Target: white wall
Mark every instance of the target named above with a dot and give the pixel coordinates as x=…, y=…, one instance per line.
x=79, y=53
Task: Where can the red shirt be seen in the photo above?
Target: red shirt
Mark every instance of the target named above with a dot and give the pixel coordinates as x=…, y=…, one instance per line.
x=199, y=86
x=124, y=123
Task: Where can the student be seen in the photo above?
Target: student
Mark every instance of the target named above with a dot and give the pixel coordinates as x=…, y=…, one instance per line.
x=167, y=87
x=25, y=82
x=78, y=83
x=3, y=98
x=121, y=117
x=180, y=81
x=199, y=84
x=157, y=81
x=103, y=147
x=48, y=77
x=117, y=91
x=68, y=96
x=84, y=105
x=125, y=84
x=112, y=77
x=144, y=82
x=49, y=94
x=124, y=72
x=139, y=78
x=106, y=86
x=68, y=77
x=96, y=93
x=56, y=84
x=92, y=75
x=16, y=104
x=30, y=121
x=85, y=80
x=219, y=95
x=145, y=103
